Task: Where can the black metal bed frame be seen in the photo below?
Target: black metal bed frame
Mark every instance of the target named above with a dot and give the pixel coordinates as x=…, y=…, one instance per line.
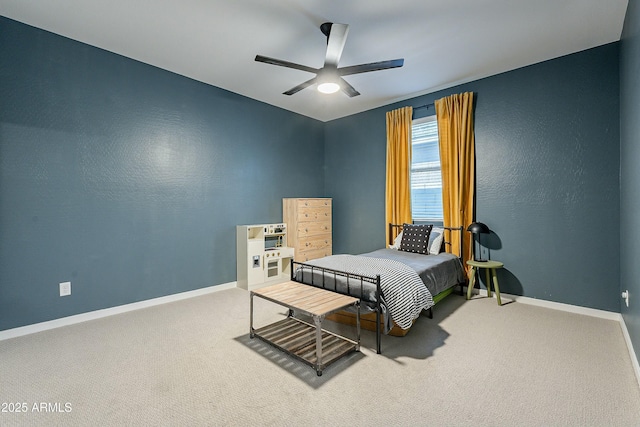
x=361, y=279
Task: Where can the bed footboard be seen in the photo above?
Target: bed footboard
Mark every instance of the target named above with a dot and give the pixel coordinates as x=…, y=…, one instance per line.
x=343, y=283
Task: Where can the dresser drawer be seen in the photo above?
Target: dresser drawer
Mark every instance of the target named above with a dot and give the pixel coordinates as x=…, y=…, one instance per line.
x=303, y=256
x=313, y=203
x=314, y=213
x=315, y=242
x=313, y=228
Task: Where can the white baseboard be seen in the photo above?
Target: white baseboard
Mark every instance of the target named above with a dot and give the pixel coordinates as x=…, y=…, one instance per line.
x=632, y=353
x=98, y=314
x=603, y=314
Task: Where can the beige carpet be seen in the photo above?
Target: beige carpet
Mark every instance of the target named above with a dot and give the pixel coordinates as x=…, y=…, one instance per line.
x=192, y=363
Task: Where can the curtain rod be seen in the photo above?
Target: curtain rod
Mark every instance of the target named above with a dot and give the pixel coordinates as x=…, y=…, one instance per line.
x=427, y=106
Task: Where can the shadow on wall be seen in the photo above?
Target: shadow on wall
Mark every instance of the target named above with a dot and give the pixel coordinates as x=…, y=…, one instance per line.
x=509, y=283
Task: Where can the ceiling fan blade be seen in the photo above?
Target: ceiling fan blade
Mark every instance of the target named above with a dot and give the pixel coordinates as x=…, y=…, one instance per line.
x=335, y=44
x=300, y=87
x=348, y=89
x=374, y=66
x=287, y=64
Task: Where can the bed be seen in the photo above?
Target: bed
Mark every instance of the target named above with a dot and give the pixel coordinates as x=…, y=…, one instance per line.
x=395, y=284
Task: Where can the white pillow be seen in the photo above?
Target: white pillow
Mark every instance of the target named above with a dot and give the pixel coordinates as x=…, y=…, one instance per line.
x=396, y=242
x=435, y=240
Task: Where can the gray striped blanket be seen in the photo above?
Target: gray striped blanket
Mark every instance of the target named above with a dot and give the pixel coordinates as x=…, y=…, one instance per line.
x=403, y=292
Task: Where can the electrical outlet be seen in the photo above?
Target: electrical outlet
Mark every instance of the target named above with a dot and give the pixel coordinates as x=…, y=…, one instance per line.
x=625, y=295
x=65, y=289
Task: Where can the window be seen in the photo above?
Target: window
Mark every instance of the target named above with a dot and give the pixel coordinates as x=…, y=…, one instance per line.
x=426, y=178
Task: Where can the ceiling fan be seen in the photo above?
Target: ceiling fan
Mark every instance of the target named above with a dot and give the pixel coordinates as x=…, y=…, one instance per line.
x=329, y=77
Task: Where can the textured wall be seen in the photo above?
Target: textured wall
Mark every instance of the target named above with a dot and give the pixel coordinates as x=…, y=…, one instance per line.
x=629, y=170
x=129, y=180
x=355, y=150
x=547, y=173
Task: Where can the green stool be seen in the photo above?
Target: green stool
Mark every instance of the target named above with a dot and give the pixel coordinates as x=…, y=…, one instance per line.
x=487, y=265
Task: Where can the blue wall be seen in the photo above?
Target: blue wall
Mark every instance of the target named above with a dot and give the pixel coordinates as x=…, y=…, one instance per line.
x=547, y=173
x=128, y=180
x=629, y=170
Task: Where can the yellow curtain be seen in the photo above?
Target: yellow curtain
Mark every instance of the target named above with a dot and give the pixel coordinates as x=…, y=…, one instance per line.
x=398, y=190
x=457, y=158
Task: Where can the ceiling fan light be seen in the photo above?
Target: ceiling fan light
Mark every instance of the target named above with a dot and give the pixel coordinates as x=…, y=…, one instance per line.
x=327, y=80
x=328, y=87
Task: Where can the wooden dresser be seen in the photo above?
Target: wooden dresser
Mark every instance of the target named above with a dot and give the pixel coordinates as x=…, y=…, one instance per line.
x=309, y=227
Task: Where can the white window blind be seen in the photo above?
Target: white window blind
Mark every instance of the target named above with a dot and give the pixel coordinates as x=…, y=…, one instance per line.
x=426, y=178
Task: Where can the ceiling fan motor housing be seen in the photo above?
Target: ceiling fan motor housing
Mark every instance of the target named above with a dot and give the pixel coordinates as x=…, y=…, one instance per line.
x=326, y=29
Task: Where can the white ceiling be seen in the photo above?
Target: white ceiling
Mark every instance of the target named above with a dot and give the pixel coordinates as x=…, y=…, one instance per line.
x=443, y=42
